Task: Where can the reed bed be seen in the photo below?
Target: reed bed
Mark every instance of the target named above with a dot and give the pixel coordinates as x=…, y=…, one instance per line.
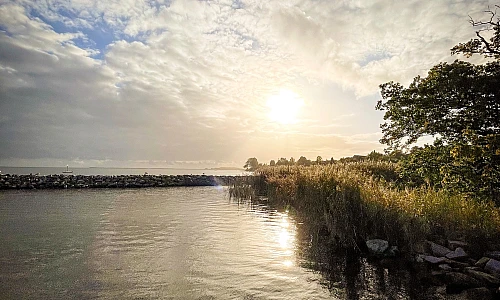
x=361, y=200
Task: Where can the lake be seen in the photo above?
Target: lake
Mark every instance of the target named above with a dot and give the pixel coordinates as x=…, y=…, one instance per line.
x=172, y=243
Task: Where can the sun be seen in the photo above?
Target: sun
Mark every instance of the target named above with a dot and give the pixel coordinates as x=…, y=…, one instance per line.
x=284, y=107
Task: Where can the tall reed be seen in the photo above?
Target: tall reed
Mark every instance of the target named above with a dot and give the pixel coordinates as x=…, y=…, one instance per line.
x=358, y=201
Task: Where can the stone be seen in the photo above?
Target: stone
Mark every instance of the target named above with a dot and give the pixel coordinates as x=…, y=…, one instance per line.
x=455, y=244
x=490, y=280
x=377, y=246
x=455, y=264
x=493, y=254
x=433, y=259
x=457, y=282
x=481, y=293
x=493, y=266
x=482, y=262
x=445, y=267
x=458, y=254
x=438, y=250
x=392, y=251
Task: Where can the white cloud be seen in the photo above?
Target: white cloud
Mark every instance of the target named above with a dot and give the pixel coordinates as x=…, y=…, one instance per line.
x=189, y=80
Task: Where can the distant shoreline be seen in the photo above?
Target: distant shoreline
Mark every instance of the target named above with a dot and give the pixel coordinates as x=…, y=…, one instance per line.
x=136, y=168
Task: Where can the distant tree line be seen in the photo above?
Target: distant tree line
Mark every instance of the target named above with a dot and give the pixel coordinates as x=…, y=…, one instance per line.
x=253, y=164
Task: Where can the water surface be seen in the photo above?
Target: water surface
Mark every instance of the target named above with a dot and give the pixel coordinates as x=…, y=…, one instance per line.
x=172, y=243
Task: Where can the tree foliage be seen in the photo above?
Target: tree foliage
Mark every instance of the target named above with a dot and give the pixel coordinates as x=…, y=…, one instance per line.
x=452, y=98
x=460, y=104
x=252, y=164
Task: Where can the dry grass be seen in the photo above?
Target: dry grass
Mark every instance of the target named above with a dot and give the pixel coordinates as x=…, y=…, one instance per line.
x=358, y=201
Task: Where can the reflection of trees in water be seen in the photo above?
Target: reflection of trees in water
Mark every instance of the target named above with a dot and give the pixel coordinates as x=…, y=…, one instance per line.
x=345, y=274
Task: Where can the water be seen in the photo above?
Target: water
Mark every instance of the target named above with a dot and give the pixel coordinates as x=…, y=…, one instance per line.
x=118, y=171
x=171, y=243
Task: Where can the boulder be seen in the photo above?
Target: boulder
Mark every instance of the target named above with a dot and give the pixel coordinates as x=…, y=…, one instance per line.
x=493, y=254
x=455, y=244
x=488, y=279
x=458, y=254
x=493, y=266
x=457, y=282
x=445, y=267
x=433, y=259
x=482, y=262
x=438, y=250
x=392, y=251
x=377, y=246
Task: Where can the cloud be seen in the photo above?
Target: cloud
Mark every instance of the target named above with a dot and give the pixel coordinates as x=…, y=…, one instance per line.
x=188, y=80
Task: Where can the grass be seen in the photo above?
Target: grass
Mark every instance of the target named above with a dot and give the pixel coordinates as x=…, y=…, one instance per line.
x=360, y=200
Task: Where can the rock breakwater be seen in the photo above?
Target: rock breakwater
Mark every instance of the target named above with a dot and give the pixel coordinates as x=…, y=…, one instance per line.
x=9, y=181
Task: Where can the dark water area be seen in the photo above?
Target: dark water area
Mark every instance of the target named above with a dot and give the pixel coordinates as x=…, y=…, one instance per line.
x=174, y=243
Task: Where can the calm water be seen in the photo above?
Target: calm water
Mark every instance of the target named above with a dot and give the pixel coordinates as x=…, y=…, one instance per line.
x=172, y=243
x=117, y=171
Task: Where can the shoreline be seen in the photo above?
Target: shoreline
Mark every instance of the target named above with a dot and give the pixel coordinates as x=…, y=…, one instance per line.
x=69, y=181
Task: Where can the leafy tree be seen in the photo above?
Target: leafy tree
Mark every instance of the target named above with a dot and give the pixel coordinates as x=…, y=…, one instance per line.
x=292, y=161
x=319, y=160
x=272, y=163
x=282, y=162
x=303, y=161
x=460, y=104
x=452, y=98
x=252, y=164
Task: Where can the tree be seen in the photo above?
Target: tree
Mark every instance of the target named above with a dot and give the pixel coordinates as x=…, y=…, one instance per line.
x=252, y=164
x=452, y=98
x=303, y=161
x=272, y=163
x=481, y=45
x=460, y=104
x=319, y=160
x=292, y=161
x=282, y=162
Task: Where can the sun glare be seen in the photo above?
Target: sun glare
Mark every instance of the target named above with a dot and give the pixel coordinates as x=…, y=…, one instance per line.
x=284, y=107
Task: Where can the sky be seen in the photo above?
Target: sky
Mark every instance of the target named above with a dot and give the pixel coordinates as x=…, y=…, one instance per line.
x=187, y=83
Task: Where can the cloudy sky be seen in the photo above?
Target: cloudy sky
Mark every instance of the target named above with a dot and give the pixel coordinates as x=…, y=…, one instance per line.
x=189, y=82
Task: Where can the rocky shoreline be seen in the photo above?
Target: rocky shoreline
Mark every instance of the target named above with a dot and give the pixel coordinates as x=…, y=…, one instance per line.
x=22, y=182
x=448, y=270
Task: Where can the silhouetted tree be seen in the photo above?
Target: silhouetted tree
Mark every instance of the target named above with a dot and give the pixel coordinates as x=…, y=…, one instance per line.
x=252, y=164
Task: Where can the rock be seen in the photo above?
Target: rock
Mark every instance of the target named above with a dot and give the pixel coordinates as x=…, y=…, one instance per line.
x=481, y=293
x=438, y=250
x=493, y=266
x=455, y=264
x=455, y=244
x=392, y=251
x=377, y=246
x=433, y=259
x=493, y=254
x=457, y=282
x=482, y=262
x=490, y=280
x=458, y=254
x=445, y=267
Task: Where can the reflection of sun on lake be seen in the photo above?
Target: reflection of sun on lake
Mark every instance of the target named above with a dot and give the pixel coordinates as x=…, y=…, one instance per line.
x=284, y=107
x=286, y=241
